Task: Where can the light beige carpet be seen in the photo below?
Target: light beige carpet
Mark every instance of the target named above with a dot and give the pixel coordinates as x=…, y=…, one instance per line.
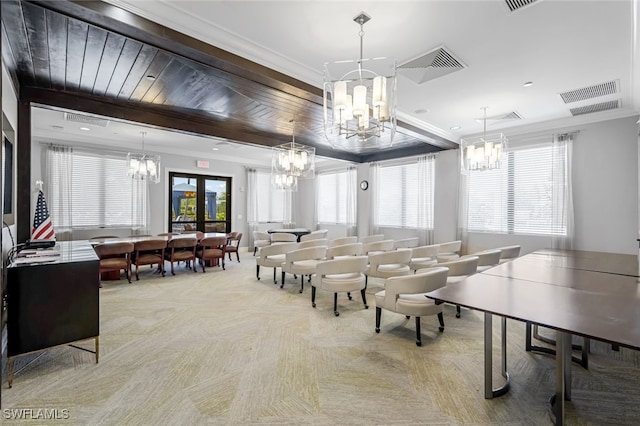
x=224, y=348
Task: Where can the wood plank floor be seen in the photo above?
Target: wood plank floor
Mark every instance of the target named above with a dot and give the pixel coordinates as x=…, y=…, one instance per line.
x=224, y=348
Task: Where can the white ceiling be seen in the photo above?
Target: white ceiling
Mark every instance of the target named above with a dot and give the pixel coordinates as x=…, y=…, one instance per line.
x=559, y=45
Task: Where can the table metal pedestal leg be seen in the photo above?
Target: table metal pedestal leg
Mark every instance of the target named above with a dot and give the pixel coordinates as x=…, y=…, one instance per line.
x=563, y=376
x=489, y=391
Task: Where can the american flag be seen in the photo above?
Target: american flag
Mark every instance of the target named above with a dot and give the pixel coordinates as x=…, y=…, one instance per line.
x=42, y=226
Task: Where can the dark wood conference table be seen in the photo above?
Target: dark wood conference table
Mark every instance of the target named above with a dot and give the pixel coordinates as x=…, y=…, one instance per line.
x=590, y=294
x=298, y=232
x=115, y=275
x=134, y=239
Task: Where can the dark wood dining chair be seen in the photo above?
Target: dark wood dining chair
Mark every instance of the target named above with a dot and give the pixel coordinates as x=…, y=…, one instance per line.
x=149, y=252
x=115, y=257
x=181, y=249
x=233, y=244
x=212, y=249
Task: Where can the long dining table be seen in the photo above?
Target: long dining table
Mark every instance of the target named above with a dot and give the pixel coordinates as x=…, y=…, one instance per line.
x=590, y=294
x=136, y=238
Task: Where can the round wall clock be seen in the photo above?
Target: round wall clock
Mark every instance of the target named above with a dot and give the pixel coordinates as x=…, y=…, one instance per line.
x=364, y=185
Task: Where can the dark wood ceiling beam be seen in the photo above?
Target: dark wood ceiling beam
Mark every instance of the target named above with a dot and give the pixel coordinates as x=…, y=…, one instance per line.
x=182, y=120
x=120, y=21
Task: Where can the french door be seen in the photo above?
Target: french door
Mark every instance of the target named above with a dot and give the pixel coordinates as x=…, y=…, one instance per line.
x=199, y=203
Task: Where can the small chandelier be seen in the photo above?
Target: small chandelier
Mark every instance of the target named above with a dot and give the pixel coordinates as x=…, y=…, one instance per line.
x=360, y=99
x=144, y=166
x=483, y=152
x=291, y=161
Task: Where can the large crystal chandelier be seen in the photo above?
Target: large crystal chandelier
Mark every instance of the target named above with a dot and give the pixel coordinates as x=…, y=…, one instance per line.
x=291, y=161
x=360, y=99
x=482, y=152
x=144, y=166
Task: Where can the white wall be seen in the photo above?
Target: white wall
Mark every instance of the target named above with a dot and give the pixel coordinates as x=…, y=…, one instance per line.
x=605, y=192
x=10, y=111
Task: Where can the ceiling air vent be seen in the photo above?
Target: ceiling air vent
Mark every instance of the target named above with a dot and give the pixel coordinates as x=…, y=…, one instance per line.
x=588, y=109
x=514, y=5
x=85, y=119
x=433, y=64
x=602, y=89
x=502, y=117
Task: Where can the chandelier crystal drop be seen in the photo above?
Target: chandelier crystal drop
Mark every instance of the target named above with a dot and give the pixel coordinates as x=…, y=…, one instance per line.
x=484, y=152
x=144, y=166
x=360, y=99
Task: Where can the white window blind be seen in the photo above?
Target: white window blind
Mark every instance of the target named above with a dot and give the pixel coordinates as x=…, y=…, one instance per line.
x=332, y=197
x=519, y=197
x=102, y=195
x=399, y=196
x=271, y=202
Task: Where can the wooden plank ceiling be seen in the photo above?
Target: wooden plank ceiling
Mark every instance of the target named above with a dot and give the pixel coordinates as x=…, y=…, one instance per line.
x=77, y=55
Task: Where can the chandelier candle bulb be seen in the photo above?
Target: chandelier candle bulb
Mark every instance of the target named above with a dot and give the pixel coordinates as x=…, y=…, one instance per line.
x=359, y=100
x=379, y=91
x=340, y=95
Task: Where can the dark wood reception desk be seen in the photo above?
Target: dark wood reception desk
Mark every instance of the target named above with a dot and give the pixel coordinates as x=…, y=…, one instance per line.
x=52, y=300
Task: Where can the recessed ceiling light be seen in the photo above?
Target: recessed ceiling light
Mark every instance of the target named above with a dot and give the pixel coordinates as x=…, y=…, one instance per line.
x=215, y=149
x=528, y=84
x=455, y=127
x=151, y=78
x=86, y=129
x=55, y=126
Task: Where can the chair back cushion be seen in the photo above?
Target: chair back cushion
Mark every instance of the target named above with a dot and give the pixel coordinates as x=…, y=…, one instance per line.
x=353, y=249
x=342, y=241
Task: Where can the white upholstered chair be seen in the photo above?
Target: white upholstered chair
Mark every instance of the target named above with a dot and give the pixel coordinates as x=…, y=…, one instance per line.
x=340, y=275
x=389, y=264
x=302, y=262
x=353, y=249
x=459, y=269
x=342, y=241
x=449, y=251
x=272, y=256
x=406, y=295
x=314, y=235
x=372, y=238
x=509, y=253
x=406, y=243
x=424, y=257
x=283, y=237
x=487, y=259
x=377, y=247
x=313, y=243
x=260, y=239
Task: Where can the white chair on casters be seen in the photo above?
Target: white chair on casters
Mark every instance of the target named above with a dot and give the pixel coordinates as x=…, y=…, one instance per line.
x=340, y=275
x=406, y=295
x=302, y=262
x=273, y=256
x=260, y=239
x=459, y=270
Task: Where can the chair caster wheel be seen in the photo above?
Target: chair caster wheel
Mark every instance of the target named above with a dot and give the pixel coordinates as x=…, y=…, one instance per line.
x=258, y=278
x=366, y=306
x=377, y=330
x=457, y=315
x=418, y=343
x=407, y=317
x=337, y=313
x=281, y=285
x=313, y=305
x=300, y=291
x=441, y=329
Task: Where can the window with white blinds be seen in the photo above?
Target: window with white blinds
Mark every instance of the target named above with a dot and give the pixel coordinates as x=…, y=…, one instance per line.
x=400, y=197
x=270, y=202
x=525, y=196
x=332, y=197
x=102, y=195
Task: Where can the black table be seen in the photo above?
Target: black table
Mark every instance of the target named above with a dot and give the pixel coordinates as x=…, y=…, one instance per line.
x=298, y=232
x=52, y=300
x=589, y=294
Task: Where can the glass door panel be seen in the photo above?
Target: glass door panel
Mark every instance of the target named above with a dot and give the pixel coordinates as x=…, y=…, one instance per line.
x=199, y=203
